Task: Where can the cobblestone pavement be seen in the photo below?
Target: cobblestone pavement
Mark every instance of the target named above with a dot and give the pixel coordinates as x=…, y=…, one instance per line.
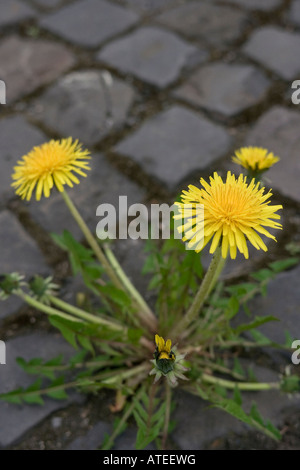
x=162, y=92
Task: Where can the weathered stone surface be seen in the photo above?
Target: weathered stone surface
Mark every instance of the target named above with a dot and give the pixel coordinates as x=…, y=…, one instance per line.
x=226, y=88
x=14, y=11
x=48, y=3
x=278, y=131
x=174, y=143
x=294, y=12
x=152, y=54
x=83, y=106
x=17, y=419
x=34, y=64
x=195, y=430
x=104, y=184
x=218, y=25
x=197, y=424
x=89, y=22
x=93, y=439
x=275, y=49
x=262, y=5
x=18, y=254
x=283, y=302
x=127, y=440
x=17, y=137
x=150, y=5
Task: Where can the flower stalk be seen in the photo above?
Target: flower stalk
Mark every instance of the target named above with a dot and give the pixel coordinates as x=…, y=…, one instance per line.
x=206, y=286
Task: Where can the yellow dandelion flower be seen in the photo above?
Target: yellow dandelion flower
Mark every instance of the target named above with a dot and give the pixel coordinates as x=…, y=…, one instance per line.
x=255, y=159
x=234, y=212
x=163, y=349
x=52, y=163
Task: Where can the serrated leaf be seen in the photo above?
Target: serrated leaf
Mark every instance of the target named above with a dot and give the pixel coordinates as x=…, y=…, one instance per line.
x=258, y=321
x=237, y=396
x=254, y=413
x=283, y=264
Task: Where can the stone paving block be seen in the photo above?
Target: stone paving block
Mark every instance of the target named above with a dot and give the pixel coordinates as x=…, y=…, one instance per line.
x=262, y=5
x=104, y=184
x=174, y=143
x=278, y=131
x=218, y=25
x=151, y=54
x=82, y=106
x=294, y=12
x=14, y=11
x=197, y=424
x=89, y=22
x=226, y=88
x=17, y=137
x=276, y=49
x=150, y=6
x=93, y=439
x=48, y=3
x=283, y=302
x=35, y=63
x=18, y=419
x=18, y=254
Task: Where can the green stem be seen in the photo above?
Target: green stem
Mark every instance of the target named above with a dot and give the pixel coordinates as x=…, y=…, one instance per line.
x=202, y=294
x=129, y=286
x=121, y=375
x=78, y=312
x=167, y=415
x=91, y=240
x=46, y=308
x=240, y=385
x=123, y=420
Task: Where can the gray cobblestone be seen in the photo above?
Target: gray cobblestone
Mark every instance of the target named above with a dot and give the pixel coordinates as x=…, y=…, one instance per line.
x=14, y=11
x=152, y=54
x=79, y=105
x=294, y=12
x=218, y=25
x=278, y=131
x=262, y=5
x=34, y=64
x=89, y=22
x=276, y=49
x=225, y=88
x=18, y=254
x=174, y=143
x=17, y=137
x=18, y=419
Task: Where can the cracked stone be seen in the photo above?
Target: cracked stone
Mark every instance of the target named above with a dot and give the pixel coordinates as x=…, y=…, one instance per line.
x=262, y=5
x=174, y=143
x=104, y=184
x=18, y=253
x=294, y=12
x=278, y=131
x=151, y=54
x=36, y=63
x=218, y=25
x=14, y=11
x=276, y=49
x=89, y=22
x=83, y=106
x=17, y=137
x=18, y=419
x=227, y=89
